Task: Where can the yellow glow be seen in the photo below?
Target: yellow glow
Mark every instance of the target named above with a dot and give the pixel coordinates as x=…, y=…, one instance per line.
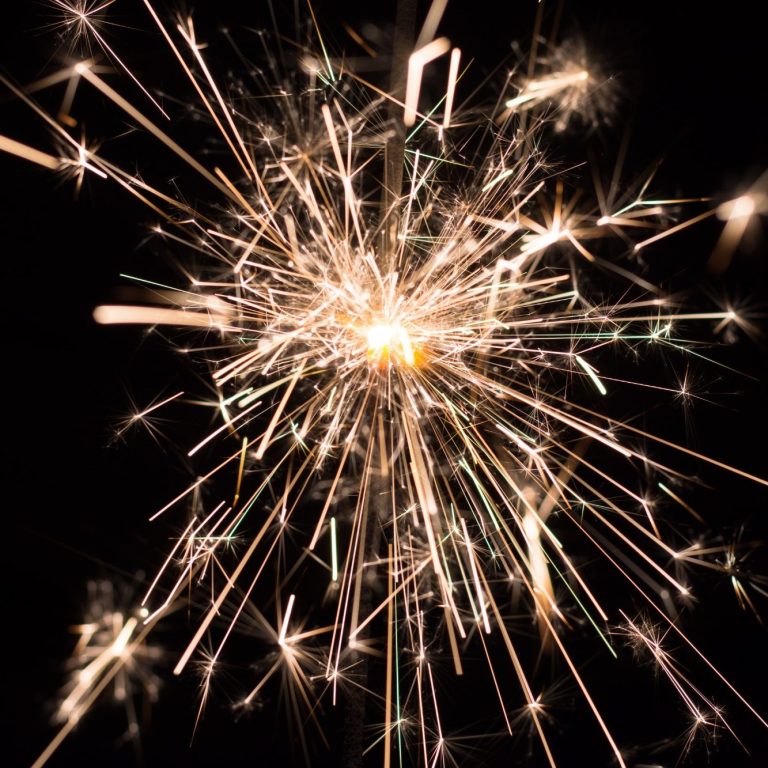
x=389, y=342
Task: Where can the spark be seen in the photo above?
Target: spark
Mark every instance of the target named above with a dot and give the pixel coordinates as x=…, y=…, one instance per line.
x=418, y=60
x=402, y=381
x=112, y=652
x=738, y=214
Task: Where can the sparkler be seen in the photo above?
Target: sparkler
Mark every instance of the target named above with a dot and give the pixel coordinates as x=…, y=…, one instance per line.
x=410, y=381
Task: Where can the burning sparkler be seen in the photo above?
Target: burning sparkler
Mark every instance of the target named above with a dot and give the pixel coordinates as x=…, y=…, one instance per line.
x=410, y=381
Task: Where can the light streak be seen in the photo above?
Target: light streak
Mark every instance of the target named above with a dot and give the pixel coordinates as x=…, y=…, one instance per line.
x=419, y=59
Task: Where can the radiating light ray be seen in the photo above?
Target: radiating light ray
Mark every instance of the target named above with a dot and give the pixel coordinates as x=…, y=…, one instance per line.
x=29, y=153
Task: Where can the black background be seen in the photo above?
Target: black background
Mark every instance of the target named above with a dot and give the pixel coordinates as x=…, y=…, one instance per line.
x=693, y=82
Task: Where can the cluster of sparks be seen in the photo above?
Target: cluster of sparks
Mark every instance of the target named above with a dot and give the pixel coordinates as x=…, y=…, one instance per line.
x=400, y=377
x=113, y=656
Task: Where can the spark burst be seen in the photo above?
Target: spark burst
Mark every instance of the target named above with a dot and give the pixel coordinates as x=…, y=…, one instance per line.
x=409, y=358
x=112, y=657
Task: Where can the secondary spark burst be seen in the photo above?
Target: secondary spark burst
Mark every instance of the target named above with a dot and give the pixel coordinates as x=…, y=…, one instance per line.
x=112, y=657
x=394, y=372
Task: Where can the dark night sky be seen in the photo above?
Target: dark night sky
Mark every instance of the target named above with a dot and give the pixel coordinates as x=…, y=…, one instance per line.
x=693, y=91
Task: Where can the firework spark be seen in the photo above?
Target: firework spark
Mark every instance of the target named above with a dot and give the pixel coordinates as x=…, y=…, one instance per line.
x=410, y=382
x=112, y=654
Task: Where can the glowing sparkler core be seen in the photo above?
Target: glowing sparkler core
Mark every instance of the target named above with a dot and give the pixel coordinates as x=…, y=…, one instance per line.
x=388, y=342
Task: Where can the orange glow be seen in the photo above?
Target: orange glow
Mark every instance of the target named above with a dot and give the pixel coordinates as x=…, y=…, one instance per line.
x=389, y=343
